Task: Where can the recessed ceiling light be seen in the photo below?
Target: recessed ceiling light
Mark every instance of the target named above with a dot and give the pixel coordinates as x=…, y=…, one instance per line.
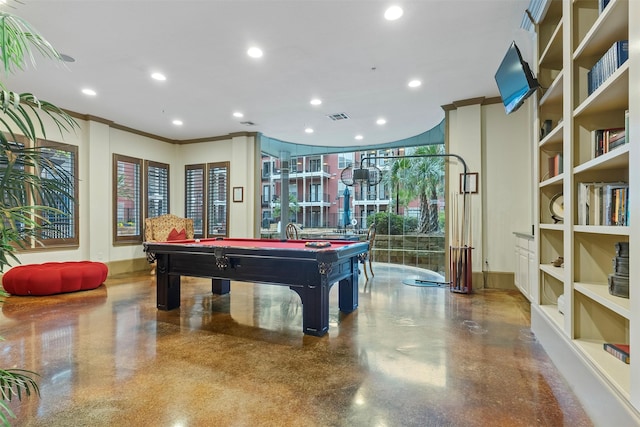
x=308, y=130
x=158, y=76
x=414, y=83
x=89, y=92
x=177, y=122
x=255, y=52
x=359, y=137
x=315, y=101
x=393, y=13
x=381, y=121
x=238, y=114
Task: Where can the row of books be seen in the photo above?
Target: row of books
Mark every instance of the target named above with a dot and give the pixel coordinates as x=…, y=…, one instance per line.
x=617, y=54
x=620, y=351
x=605, y=140
x=603, y=203
x=555, y=165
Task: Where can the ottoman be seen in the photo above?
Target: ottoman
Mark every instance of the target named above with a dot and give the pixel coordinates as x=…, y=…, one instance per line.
x=54, y=277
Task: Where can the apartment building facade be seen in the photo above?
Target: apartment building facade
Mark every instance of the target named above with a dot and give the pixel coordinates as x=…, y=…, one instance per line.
x=317, y=193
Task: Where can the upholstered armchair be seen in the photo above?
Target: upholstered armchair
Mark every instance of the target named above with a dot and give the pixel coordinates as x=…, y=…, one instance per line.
x=160, y=228
x=165, y=228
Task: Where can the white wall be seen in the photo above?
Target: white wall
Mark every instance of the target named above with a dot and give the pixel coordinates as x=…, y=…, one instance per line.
x=244, y=157
x=498, y=147
x=508, y=166
x=97, y=142
x=465, y=133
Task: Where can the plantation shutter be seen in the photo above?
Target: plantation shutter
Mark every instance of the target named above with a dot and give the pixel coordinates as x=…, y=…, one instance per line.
x=128, y=206
x=218, y=185
x=157, y=189
x=61, y=226
x=194, y=196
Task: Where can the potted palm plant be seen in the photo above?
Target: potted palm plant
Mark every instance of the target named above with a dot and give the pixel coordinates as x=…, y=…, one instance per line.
x=30, y=183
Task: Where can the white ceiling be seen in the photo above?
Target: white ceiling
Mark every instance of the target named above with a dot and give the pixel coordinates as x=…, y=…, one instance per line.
x=342, y=51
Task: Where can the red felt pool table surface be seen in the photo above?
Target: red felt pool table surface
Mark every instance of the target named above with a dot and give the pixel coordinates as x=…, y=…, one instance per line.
x=262, y=243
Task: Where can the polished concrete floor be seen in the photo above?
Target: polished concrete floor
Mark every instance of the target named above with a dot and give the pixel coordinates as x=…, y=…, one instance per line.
x=408, y=356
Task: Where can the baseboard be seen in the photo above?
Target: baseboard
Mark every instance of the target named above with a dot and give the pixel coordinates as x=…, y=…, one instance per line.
x=128, y=266
x=493, y=280
x=604, y=405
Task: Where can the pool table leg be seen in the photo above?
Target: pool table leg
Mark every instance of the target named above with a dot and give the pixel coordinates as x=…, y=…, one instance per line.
x=167, y=285
x=220, y=286
x=315, y=308
x=348, y=290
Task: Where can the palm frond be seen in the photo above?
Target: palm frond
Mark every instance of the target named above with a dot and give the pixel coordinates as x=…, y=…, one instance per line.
x=29, y=108
x=15, y=383
x=18, y=38
x=31, y=185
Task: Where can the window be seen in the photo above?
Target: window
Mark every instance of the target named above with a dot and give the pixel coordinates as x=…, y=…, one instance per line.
x=266, y=194
x=314, y=165
x=218, y=195
x=266, y=168
x=294, y=164
x=314, y=193
x=385, y=194
x=344, y=160
x=61, y=227
x=127, y=207
x=58, y=165
x=57, y=169
x=157, y=189
x=212, y=194
x=194, y=197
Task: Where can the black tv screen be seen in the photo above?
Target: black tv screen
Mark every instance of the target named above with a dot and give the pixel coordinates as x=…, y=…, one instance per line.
x=515, y=80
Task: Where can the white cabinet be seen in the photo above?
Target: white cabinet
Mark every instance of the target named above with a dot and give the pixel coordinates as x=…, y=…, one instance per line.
x=525, y=264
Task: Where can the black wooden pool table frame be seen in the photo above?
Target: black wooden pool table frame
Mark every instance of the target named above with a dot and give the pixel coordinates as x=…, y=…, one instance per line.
x=310, y=272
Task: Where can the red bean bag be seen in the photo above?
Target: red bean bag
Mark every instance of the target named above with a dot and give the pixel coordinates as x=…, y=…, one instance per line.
x=54, y=277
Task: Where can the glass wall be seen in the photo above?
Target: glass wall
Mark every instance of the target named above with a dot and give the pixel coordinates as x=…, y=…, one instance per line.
x=404, y=198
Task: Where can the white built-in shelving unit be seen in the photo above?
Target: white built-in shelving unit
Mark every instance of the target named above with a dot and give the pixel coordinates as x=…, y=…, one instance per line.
x=571, y=37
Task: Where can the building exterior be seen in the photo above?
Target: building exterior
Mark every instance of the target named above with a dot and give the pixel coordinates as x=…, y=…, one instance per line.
x=316, y=187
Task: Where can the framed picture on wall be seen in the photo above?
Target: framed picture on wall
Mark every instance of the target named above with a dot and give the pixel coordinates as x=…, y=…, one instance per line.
x=238, y=194
x=472, y=183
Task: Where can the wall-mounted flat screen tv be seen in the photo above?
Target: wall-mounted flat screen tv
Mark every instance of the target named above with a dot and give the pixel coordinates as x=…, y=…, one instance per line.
x=515, y=80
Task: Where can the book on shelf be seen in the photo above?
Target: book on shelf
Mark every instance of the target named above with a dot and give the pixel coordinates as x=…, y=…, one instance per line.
x=555, y=165
x=602, y=4
x=613, y=58
x=603, y=203
x=605, y=140
x=626, y=124
x=620, y=351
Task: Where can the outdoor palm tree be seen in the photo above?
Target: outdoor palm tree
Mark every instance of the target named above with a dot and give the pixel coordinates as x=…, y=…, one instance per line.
x=30, y=183
x=420, y=178
x=294, y=207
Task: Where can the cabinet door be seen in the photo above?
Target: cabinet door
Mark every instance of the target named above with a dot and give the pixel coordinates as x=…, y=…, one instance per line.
x=516, y=273
x=531, y=279
x=523, y=261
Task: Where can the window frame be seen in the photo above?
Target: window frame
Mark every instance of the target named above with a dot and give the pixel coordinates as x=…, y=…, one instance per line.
x=201, y=225
x=208, y=214
x=137, y=237
x=205, y=216
x=74, y=241
x=153, y=164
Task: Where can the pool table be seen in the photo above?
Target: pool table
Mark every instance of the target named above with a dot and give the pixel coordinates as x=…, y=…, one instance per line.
x=309, y=271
